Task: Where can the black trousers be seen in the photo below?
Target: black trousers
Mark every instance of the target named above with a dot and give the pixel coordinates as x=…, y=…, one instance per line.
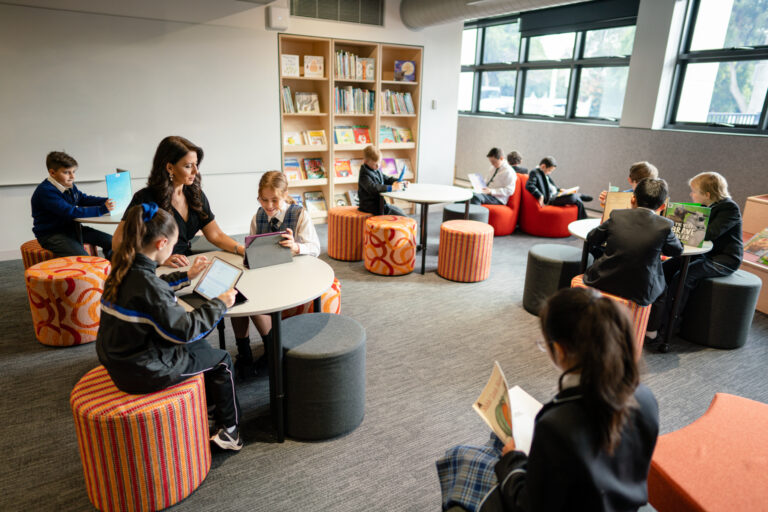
x=478, y=198
x=67, y=244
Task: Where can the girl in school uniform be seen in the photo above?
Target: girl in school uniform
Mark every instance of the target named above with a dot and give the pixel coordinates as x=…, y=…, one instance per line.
x=278, y=212
x=592, y=443
x=146, y=340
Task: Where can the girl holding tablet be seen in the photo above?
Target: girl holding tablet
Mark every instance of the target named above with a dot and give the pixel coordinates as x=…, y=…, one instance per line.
x=146, y=340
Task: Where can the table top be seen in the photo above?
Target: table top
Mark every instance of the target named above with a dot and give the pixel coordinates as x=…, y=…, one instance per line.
x=272, y=288
x=426, y=193
x=102, y=219
x=581, y=228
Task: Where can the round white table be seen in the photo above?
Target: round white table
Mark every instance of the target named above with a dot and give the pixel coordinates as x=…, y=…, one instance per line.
x=270, y=290
x=101, y=219
x=426, y=194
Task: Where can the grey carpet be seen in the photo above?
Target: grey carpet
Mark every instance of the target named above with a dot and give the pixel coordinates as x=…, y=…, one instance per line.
x=431, y=344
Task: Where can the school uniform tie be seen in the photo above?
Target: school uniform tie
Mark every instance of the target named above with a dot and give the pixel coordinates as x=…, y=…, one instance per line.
x=494, y=175
x=274, y=224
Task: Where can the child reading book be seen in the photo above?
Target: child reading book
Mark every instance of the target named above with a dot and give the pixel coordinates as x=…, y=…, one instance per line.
x=592, y=444
x=500, y=183
x=544, y=190
x=637, y=172
x=371, y=183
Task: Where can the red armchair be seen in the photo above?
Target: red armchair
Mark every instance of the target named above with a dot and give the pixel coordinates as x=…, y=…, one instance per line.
x=503, y=218
x=546, y=221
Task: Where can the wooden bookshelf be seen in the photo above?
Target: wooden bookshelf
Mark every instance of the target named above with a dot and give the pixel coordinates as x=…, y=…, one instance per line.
x=384, y=57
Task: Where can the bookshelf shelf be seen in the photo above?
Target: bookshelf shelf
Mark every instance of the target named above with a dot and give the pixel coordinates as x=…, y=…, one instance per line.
x=378, y=60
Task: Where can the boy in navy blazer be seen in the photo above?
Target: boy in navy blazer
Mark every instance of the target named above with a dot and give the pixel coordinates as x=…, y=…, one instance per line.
x=57, y=202
x=371, y=183
x=628, y=246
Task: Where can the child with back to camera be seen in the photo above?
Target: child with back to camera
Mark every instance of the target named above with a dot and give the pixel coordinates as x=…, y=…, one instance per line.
x=146, y=340
x=592, y=444
x=371, y=183
x=277, y=212
x=637, y=172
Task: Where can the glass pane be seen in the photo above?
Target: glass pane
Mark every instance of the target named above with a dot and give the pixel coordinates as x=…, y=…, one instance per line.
x=552, y=47
x=546, y=91
x=468, y=46
x=502, y=43
x=723, y=92
x=497, y=92
x=730, y=24
x=601, y=92
x=611, y=42
x=466, y=80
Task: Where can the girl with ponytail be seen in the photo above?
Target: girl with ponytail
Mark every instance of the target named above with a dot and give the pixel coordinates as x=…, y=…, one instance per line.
x=146, y=340
x=592, y=444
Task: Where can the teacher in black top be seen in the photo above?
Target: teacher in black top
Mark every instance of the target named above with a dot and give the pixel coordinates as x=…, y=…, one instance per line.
x=174, y=184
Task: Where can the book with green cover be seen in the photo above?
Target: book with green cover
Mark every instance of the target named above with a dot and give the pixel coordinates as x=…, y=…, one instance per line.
x=690, y=220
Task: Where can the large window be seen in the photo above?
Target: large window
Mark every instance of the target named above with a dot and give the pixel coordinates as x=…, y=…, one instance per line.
x=721, y=80
x=565, y=63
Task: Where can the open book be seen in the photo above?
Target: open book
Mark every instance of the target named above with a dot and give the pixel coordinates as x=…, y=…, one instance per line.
x=503, y=408
x=566, y=191
x=616, y=201
x=477, y=181
x=690, y=220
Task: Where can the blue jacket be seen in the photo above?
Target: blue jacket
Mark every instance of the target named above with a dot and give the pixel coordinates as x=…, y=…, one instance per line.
x=53, y=213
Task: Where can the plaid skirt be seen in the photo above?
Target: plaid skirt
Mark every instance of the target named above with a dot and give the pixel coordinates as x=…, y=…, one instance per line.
x=467, y=474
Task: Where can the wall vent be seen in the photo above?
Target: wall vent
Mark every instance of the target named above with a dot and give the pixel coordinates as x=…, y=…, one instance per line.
x=367, y=12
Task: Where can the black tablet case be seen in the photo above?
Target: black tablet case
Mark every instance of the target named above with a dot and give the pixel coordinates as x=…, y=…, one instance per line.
x=265, y=251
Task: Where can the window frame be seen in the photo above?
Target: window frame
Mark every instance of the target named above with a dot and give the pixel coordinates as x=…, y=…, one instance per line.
x=686, y=56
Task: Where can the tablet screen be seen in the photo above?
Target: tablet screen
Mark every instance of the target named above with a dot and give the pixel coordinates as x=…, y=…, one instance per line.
x=220, y=277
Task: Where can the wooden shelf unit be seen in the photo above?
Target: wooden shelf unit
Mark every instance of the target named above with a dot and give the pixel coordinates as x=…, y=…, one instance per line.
x=385, y=56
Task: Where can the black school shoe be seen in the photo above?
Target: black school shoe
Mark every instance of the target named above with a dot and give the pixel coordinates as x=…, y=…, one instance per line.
x=227, y=441
x=585, y=198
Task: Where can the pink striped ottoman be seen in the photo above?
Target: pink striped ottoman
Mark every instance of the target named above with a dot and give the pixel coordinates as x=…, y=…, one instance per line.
x=638, y=314
x=140, y=452
x=389, y=247
x=65, y=298
x=330, y=302
x=346, y=225
x=465, y=250
x=32, y=252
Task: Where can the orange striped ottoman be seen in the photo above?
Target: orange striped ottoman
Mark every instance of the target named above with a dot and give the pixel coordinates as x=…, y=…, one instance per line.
x=32, y=252
x=389, y=247
x=65, y=298
x=638, y=314
x=140, y=452
x=346, y=225
x=465, y=250
x=330, y=302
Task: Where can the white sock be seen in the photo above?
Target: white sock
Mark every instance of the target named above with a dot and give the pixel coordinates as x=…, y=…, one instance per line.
x=651, y=334
x=231, y=429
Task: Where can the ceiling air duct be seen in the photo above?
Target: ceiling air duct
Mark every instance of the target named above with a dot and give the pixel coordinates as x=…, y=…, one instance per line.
x=424, y=13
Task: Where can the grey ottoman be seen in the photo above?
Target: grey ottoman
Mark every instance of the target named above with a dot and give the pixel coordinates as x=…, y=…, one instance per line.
x=720, y=309
x=455, y=211
x=550, y=267
x=324, y=375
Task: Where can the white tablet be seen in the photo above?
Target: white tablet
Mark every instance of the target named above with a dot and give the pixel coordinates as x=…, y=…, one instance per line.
x=219, y=277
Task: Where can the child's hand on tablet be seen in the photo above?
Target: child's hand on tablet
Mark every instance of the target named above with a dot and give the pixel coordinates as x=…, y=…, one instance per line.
x=228, y=297
x=198, y=266
x=289, y=242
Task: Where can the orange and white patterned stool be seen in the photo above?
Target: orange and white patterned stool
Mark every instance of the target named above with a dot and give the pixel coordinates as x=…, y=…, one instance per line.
x=140, y=452
x=32, y=252
x=465, y=250
x=389, y=246
x=346, y=225
x=330, y=302
x=637, y=314
x=65, y=298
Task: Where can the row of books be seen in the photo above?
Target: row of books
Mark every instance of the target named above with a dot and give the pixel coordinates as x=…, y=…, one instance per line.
x=309, y=137
x=351, y=67
x=306, y=102
x=394, y=134
x=349, y=100
x=315, y=201
x=314, y=168
x=314, y=65
x=351, y=135
x=394, y=102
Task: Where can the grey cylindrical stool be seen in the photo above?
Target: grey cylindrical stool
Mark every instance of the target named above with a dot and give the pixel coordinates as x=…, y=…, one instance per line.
x=550, y=267
x=324, y=375
x=455, y=211
x=719, y=311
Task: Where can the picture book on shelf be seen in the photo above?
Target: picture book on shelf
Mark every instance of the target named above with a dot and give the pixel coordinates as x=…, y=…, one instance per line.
x=756, y=249
x=404, y=135
x=292, y=169
x=355, y=164
x=368, y=67
x=342, y=168
x=289, y=65
x=616, y=201
x=340, y=200
x=288, y=107
x=353, y=198
x=307, y=103
x=315, y=201
x=385, y=135
x=314, y=65
x=315, y=137
x=314, y=167
x=405, y=70
x=343, y=135
x=292, y=139
x=297, y=199
x=690, y=220
x=389, y=167
x=362, y=135
x=404, y=168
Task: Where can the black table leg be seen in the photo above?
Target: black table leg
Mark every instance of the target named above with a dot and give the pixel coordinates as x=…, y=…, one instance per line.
x=466, y=209
x=672, y=320
x=316, y=305
x=220, y=328
x=584, y=257
x=424, y=212
x=276, y=390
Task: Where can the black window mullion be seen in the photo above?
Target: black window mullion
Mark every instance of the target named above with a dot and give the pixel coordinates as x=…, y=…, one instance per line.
x=763, y=123
x=578, y=53
x=477, y=80
x=520, y=80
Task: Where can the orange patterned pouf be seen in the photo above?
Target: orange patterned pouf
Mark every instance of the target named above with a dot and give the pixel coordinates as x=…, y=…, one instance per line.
x=65, y=298
x=330, y=302
x=32, y=252
x=140, y=452
x=465, y=250
x=389, y=247
x=637, y=314
x=346, y=225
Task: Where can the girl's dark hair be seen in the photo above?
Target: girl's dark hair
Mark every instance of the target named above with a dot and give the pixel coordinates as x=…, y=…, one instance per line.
x=597, y=335
x=137, y=234
x=170, y=150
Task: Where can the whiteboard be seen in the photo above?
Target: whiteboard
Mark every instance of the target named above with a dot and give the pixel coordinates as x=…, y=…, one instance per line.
x=106, y=89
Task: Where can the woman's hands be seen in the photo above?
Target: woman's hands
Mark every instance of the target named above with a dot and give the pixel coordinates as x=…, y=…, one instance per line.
x=198, y=266
x=509, y=447
x=176, y=261
x=289, y=242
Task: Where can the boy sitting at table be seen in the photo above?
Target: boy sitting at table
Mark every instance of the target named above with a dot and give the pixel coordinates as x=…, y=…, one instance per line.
x=628, y=246
x=637, y=172
x=372, y=182
x=57, y=202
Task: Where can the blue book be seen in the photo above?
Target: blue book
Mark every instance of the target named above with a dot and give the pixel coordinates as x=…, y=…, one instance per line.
x=119, y=190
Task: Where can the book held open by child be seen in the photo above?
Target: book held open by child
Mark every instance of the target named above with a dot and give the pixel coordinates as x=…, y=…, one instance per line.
x=690, y=220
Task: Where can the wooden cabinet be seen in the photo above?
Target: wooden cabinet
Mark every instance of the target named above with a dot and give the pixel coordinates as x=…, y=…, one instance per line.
x=363, y=72
x=754, y=220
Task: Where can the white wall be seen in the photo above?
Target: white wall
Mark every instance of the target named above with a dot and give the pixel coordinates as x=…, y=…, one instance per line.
x=241, y=82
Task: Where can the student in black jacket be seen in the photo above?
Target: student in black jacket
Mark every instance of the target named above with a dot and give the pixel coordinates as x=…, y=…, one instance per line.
x=372, y=182
x=147, y=341
x=723, y=230
x=515, y=159
x=592, y=444
x=543, y=188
